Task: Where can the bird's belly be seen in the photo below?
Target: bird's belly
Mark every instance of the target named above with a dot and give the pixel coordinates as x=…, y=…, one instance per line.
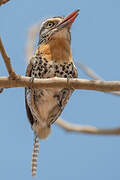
x=46, y=105
x=46, y=102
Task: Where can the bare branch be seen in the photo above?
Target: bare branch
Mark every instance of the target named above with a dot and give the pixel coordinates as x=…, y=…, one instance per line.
x=97, y=85
x=86, y=129
x=89, y=72
x=3, y=2
x=10, y=70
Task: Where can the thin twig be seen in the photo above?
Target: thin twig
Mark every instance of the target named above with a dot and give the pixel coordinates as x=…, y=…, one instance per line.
x=3, y=2
x=10, y=70
x=86, y=129
x=90, y=73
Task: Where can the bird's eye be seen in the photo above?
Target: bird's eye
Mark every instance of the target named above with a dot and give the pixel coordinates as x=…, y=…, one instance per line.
x=50, y=24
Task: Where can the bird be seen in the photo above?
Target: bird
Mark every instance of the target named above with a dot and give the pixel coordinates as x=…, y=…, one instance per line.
x=52, y=58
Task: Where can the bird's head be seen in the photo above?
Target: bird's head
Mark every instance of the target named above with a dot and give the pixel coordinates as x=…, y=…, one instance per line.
x=57, y=27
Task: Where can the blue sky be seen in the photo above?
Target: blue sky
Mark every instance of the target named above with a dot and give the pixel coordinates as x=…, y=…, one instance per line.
x=96, y=43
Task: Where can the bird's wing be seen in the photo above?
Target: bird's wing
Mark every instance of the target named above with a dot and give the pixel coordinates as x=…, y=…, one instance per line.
x=28, y=73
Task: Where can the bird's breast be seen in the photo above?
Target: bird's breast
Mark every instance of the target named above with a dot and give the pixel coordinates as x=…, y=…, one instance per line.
x=42, y=68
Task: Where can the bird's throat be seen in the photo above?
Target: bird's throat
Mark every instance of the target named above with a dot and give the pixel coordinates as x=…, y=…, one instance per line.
x=57, y=49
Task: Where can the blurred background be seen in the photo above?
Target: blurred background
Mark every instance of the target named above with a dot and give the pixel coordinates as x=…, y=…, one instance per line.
x=96, y=43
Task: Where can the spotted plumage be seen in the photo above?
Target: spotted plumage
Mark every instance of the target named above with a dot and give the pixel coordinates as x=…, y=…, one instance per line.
x=53, y=58
x=41, y=68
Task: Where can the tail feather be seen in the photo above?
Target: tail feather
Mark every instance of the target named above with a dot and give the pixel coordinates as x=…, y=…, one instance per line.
x=35, y=155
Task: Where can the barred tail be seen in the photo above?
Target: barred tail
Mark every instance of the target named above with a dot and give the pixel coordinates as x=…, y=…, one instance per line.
x=35, y=155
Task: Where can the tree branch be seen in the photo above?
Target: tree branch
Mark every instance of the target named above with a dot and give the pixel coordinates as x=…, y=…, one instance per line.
x=86, y=129
x=90, y=73
x=10, y=70
x=97, y=85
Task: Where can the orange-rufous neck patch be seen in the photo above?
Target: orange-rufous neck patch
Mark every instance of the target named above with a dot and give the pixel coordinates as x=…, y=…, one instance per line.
x=57, y=49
